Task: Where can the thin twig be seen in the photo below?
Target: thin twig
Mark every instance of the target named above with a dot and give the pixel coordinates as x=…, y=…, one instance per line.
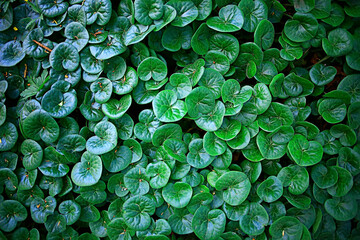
x=25, y=71
x=42, y=45
x=320, y=61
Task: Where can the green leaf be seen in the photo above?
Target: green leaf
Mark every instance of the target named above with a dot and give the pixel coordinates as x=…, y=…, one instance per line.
x=343, y=184
x=177, y=195
x=167, y=108
x=197, y=156
x=53, y=163
x=137, y=211
x=99, y=12
x=294, y=177
x=304, y=152
x=11, y=212
x=270, y=190
x=136, y=180
x=71, y=210
x=88, y=171
x=180, y=221
x=321, y=75
x=159, y=173
x=11, y=54
x=105, y=138
x=76, y=35
x=9, y=136
x=324, y=176
x=147, y=11
x=40, y=125
x=212, y=120
x=52, y=9
x=186, y=12
x=59, y=104
x=213, y=145
x=226, y=44
x=254, y=12
x=230, y=19
x=118, y=159
x=152, y=67
x=115, y=109
x=302, y=27
x=6, y=18
x=208, y=224
x=165, y=132
x=254, y=222
x=176, y=38
x=352, y=86
x=64, y=56
x=338, y=43
x=286, y=227
x=341, y=209
x=235, y=186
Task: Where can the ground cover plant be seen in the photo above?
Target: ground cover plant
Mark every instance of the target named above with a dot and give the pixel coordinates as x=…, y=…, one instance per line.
x=180, y=119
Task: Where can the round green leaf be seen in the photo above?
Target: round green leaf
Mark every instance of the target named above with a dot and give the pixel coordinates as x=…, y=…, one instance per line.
x=208, y=224
x=105, y=139
x=52, y=9
x=338, y=43
x=352, y=86
x=137, y=211
x=98, y=11
x=88, y=171
x=270, y=190
x=230, y=19
x=254, y=12
x=294, y=177
x=152, y=67
x=11, y=53
x=9, y=136
x=147, y=11
x=40, y=125
x=341, y=209
x=254, y=222
x=115, y=109
x=304, y=152
x=321, y=75
x=197, y=156
x=71, y=210
x=343, y=184
x=167, y=108
x=136, y=180
x=302, y=27
x=286, y=227
x=324, y=176
x=64, y=57
x=11, y=212
x=76, y=35
x=235, y=186
x=186, y=12
x=159, y=173
x=213, y=145
x=200, y=101
x=264, y=34
x=177, y=195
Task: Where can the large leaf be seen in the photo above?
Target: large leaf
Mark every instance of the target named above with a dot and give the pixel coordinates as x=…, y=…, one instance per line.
x=177, y=195
x=88, y=171
x=105, y=139
x=208, y=224
x=235, y=186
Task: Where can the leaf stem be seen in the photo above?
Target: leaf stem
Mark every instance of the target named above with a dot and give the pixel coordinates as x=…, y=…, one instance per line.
x=289, y=16
x=320, y=61
x=42, y=45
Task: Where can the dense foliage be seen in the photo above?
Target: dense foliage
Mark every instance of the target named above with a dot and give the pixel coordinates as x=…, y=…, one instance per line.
x=180, y=119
